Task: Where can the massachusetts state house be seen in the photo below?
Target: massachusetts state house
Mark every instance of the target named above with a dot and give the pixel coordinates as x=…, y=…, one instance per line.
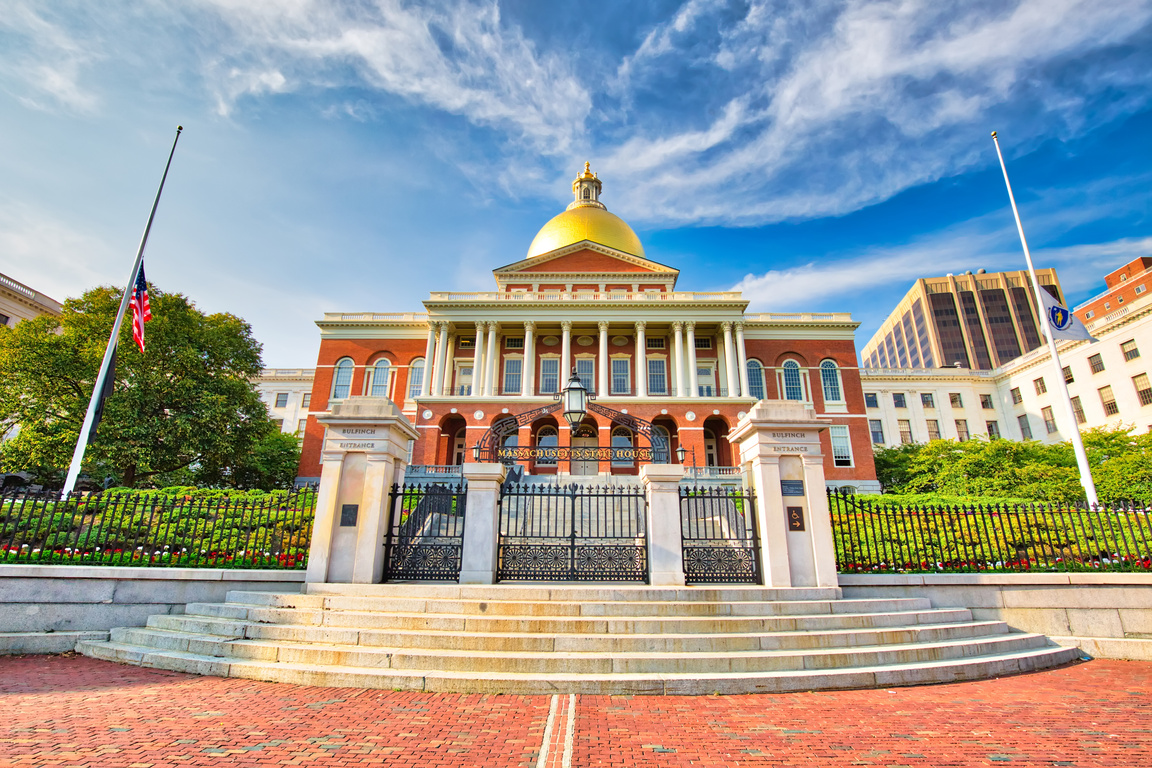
x=587, y=299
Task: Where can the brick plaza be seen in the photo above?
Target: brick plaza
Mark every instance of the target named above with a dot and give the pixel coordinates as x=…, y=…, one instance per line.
x=76, y=711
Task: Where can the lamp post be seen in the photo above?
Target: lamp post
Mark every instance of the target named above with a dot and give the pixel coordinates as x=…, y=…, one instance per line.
x=574, y=397
x=476, y=453
x=682, y=453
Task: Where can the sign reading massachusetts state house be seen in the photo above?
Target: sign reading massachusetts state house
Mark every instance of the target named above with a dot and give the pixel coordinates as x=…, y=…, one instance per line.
x=576, y=453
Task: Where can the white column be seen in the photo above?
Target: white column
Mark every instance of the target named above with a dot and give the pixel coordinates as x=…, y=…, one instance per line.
x=730, y=360
x=441, y=352
x=478, y=556
x=641, y=361
x=693, y=379
x=604, y=363
x=666, y=560
x=528, y=373
x=742, y=360
x=565, y=352
x=478, y=362
x=449, y=363
x=678, y=357
x=493, y=353
x=429, y=361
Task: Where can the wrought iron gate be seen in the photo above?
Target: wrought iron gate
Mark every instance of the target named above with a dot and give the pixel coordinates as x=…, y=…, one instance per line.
x=572, y=533
x=718, y=536
x=426, y=537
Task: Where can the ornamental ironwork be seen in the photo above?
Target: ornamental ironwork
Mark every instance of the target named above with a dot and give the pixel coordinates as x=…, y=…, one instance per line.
x=572, y=533
x=425, y=540
x=719, y=539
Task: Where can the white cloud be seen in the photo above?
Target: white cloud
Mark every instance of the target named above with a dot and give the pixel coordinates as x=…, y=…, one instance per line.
x=43, y=63
x=43, y=252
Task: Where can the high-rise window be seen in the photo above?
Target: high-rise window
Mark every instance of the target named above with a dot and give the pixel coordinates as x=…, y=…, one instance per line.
x=993, y=429
x=342, y=380
x=961, y=429
x=512, y=371
x=1049, y=419
x=281, y=400
x=1078, y=410
x=830, y=378
x=927, y=399
x=1096, y=363
x=898, y=400
x=1025, y=427
x=621, y=381
x=1130, y=350
x=1041, y=387
x=1017, y=398
x=870, y=400
x=1108, y=400
x=933, y=429
x=756, y=380
x=1143, y=388
x=657, y=376
x=549, y=375
x=876, y=427
x=841, y=446
x=905, y=431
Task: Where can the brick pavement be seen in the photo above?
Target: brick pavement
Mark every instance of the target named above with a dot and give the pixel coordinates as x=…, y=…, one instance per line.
x=74, y=711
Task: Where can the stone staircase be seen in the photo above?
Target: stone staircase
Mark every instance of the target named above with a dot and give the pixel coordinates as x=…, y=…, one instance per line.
x=609, y=639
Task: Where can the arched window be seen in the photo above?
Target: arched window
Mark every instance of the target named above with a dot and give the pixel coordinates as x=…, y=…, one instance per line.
x=342, y=379
x=512, y=439
x=622, y=438
x=379, y=386
x=415, y=377
x=756, y=380
x=547, y=437
x=587, y=193
x=793, y=387
x=830, y=378
x=661, y=432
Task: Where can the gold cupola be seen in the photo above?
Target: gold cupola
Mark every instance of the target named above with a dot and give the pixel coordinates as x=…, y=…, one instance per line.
x=586, y=218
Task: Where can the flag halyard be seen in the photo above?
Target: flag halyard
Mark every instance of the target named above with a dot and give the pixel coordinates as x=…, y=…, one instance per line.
x=141, y=311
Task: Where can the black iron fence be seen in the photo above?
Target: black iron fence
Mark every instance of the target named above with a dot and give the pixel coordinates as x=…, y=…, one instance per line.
x=425, y=540
x=158, y=529
x=719, y=539
x=872, y=537
x=572, y=533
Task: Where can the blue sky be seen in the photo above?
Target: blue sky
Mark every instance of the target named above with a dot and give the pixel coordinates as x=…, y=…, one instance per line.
x=354, y=156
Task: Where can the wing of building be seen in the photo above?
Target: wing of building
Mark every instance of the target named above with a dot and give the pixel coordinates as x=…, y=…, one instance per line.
x=586, y=298
x=19, y=302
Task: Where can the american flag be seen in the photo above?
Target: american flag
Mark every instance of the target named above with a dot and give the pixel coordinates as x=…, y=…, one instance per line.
x=141, y=312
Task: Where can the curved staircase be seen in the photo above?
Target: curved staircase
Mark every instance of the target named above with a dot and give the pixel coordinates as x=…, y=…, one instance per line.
x=579, y=639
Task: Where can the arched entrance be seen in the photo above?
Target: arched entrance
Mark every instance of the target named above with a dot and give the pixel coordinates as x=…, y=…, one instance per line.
x=585, y=436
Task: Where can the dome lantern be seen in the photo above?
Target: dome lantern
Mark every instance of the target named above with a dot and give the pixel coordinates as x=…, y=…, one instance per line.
x=586, y=190
x=586, y=218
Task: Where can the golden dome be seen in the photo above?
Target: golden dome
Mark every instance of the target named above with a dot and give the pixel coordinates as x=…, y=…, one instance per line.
x=586, y=218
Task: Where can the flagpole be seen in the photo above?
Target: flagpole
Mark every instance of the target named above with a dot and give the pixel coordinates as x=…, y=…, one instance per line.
x=109, y=351
x=1077, y=442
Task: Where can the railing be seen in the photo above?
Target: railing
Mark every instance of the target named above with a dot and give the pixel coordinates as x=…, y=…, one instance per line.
x=425, y=541
x=719, y=540
x=157, y=529
x=871, y=537
x=20, y=288
x=598, y=296
x=713, y=471
x=418, y=471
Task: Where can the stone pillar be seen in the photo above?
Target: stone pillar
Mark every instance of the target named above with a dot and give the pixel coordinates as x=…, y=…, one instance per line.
x=780, y=440
x=604, y=364
x=429, y=361
x=565, y=352
x=450, y=365
x=481, y=532
x=365, y=446
x=665, y=548
x=678, y=358
x=742, y=361
x=441, y=355
x=478, y=362
x=641, y=387
x=490, y=384
x=730, y=360
x=528, y=371
x=693, y=378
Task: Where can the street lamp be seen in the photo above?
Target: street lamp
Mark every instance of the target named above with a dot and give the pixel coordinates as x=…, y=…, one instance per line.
x=476, y=453
x=574, y=398
x=681, y=454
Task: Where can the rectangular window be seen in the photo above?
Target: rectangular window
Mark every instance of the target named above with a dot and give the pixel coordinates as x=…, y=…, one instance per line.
x=905, y=431
x=549, y=375
x=993, y=429
x=467, y=342
x=1078, y=410
x=1049, y=419
x=1017, y=398
x=300, y=425
x=1095, y=363
x=1131, y=352
x=307, y=400
x=1140, y=289
x=955, y=399
x=961, y=429
x=1090, y=314
x=927, y=399
x=516, y=342
x=281, y=399
x=1025, y=427
x=870, y=400
x=1041, y=387
x=1068, y=377
x=933, y=429
x=703, y=342
x=841, y=446
x=4, y=319
x=1109, y=401
x=876, y=427
x=657, y=377
x=898, y=400
x=512, y=369
x=1143, y=388
x=621, y=383
x=986, y=402
x=655, y=342
x=586, y=371
x=279, y=424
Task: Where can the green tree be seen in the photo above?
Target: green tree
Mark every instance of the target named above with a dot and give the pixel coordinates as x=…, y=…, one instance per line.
x=187, y=403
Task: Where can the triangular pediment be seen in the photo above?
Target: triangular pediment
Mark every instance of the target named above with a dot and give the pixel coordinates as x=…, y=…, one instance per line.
x=586, y=258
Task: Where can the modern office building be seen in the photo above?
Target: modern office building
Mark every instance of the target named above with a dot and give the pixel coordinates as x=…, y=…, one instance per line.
x=975, y=320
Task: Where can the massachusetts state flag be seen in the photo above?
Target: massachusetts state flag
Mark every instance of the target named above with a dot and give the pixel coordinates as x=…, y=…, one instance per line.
x=1061, y=323
x=141, y=312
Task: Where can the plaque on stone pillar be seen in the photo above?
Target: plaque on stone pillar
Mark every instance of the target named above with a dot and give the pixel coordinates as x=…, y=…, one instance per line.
x=792, y=488
x=348, y=513
x=795, y=518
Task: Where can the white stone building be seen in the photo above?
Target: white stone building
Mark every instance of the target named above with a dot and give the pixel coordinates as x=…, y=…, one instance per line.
x=288, y=393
